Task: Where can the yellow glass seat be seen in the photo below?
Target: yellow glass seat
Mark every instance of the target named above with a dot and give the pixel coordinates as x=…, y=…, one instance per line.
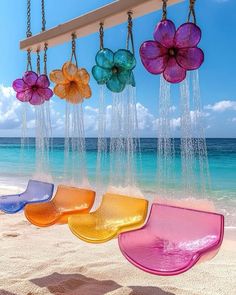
x=67, y=201
x=115, y=215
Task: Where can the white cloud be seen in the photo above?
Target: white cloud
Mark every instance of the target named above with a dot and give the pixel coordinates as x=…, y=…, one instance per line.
x=221, y=106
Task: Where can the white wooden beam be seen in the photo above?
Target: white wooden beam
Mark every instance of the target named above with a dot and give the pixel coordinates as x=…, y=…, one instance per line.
x=111, y=15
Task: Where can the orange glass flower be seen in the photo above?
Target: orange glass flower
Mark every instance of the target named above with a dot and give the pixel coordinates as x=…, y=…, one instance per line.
x=72, y=83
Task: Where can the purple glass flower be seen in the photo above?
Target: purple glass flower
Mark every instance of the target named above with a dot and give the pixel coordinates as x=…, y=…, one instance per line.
x=173, y=52
x=33, y=88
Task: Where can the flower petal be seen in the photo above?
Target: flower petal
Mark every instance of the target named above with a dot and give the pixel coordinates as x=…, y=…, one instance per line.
x=115, y=85
x=173, y=72
x=25, y=96
x=61, y=90
x=19, y=85
x=165, y=32
x=187, y=35
x=124, y=76
x=43, y=81
x=82, y=76
x=125, y=59
x=155, y=66
x=101, y=75
x=57, y=77
x=152, y=49
x=30, y=78
x=86, y=91
x=69, y=70
x=190, y=58
x=46, y=93
x=73, y=95
x=36, y=98
x=105, y=58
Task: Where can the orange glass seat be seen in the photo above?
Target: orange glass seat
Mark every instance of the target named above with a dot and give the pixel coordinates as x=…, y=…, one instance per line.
x=67, y=201
x=115, y=215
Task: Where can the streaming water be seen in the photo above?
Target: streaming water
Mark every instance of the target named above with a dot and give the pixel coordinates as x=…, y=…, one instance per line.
x=166, y=147
x=42, y=142
x=75, y=172
x=124, y=144
x=102, y=144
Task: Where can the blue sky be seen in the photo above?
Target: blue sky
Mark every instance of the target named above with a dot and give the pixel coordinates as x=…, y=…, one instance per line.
x=217, y=75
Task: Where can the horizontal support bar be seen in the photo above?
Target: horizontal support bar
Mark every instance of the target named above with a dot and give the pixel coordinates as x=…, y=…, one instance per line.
x=111, y=15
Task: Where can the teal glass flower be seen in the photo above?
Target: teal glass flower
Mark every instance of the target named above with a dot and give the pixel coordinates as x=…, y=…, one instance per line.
x=114, y=69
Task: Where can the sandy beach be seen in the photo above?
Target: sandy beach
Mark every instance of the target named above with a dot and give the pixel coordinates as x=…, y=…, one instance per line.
x=36, y=261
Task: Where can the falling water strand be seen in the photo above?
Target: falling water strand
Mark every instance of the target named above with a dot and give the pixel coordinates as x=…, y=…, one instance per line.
x=102, y=148
x=67, y=163
x=42, y=126
x=199, y=137
x=78, y=152
x=24, y=144
x=166, y=147
x=124, y=142
x=187, y=141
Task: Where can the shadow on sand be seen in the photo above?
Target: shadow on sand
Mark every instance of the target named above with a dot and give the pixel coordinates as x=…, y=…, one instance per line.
x=68, y=283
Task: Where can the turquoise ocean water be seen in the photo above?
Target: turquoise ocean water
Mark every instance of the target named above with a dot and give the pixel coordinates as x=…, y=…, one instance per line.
x=221, y=155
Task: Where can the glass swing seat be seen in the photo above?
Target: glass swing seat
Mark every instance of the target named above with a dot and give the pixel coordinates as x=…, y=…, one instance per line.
x=116, y=214
x=173, y=240
x=36, y=192
x=67, y=201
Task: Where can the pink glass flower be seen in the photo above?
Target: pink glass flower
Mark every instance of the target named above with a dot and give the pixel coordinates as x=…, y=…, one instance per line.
x=33, y=88
x=173, y=52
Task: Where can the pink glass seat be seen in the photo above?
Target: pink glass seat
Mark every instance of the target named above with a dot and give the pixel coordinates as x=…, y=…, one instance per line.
x=173, y=240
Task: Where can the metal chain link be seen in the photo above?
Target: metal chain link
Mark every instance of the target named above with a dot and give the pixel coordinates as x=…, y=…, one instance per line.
x=45, y=58
x=29, y=62
x=28, y=30
x=43, y=15
x=38, y=62
x=130, y=37
x=192, y=11
x=101, y=35
x=73, y=48
x=164, y=9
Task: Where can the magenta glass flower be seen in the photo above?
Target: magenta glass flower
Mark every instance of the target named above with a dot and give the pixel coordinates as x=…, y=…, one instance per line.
x=33, y=88
x=173, y=52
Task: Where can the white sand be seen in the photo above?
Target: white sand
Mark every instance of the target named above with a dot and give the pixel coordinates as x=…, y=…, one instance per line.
x=53, y=261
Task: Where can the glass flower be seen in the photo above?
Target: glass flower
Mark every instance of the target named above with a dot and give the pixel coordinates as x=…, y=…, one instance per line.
x=33, y=88
x=173, y=52
x=114, y=69
x=72, y=83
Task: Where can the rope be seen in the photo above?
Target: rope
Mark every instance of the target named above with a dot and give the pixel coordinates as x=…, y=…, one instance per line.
x=28, y=29
x=101, y=35
x=73, y=48
x=164, y=9
x=130, y=37
x=45, y=58
x=192, y=11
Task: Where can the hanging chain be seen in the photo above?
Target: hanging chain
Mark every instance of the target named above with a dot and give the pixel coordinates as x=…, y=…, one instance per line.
x=28, y=35
x=101, y=35
x=192, y=11
x=28, y=31
x=38, y=62
x=164, y=9
x=73, y=48
x=130, y=37
x=45, y=57
x=43, y=15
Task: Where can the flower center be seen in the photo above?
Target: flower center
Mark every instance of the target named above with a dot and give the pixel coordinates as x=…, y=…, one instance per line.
x=172, y=51
x=115, y=70
x=35, y=88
